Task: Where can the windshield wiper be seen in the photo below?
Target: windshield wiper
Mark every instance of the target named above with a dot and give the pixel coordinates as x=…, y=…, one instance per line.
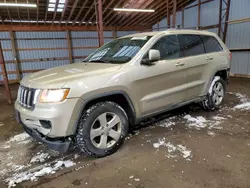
x=100, y=60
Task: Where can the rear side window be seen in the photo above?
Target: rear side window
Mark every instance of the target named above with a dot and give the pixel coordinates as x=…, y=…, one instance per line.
x=211, y=44
x=168, y=46
x=191, y=45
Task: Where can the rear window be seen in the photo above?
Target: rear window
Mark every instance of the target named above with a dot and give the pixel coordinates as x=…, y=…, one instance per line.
x=211, y=44
x=191, y=45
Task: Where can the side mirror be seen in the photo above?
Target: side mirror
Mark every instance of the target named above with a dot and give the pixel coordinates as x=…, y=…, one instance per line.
x=154, y=55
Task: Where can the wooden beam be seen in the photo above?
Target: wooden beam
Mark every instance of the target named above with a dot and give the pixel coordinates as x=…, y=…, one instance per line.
x=174, y=13
x=100, y=22
x=168, y=15
x=72, y=11
x=199, y=14
x=114, y=34
x=15, y=54
x=85, y=16
x=182, y=17
x=55, y=11
x=69, y=47
x=79, y=12
x=71, y=28
x=64, y=10
x=37, y=12
x=145, y=19
x=195, y=5
x=5, y=76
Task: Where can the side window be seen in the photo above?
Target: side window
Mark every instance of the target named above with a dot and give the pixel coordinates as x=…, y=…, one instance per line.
x=168, y=47
x=191, y=45
x=211, y=44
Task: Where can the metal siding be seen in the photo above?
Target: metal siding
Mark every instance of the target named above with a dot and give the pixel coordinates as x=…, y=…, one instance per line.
x=191, y=17
x=59, y=43
x=210, y=13
x=38, y=54
x=84, y=42
x=107, y=34
x=6, y=44
x=8, y=55
x=43, y=34
x=240, y=63
x=4, y=35
x=238, y=35
x=43, y=64
x=239, y=9
x=124, y=33
x=75, y=34
x=82, y=52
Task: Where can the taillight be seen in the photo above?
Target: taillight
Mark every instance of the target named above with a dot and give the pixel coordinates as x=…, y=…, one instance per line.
x=230, y=56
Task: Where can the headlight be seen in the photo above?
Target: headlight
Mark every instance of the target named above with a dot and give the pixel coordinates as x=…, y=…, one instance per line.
x=53, y=95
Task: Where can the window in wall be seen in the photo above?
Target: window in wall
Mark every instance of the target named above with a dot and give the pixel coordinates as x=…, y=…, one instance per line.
x=168, y=46
x=191, y=45
x=211, y=44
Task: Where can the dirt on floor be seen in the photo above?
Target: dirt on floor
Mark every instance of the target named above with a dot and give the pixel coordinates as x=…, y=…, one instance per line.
x=186, y=147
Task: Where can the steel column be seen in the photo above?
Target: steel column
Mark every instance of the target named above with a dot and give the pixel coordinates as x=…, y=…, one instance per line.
x=5, y=76
x=223, y=18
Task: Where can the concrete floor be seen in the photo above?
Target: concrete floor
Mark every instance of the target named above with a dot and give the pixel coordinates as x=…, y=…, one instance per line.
x=214, y=152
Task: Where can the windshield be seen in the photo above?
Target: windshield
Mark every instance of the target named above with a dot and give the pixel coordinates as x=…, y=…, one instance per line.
x=119, y=50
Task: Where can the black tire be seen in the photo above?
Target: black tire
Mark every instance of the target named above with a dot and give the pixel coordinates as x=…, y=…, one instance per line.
x=208, y=104
x=83, y=140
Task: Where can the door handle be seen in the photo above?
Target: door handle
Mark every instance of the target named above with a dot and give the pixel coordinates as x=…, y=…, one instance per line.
x=179, y=64
x=209, y=58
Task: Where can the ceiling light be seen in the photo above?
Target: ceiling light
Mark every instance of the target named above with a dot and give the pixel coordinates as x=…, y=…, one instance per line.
x=133, y=10
x=17, y=5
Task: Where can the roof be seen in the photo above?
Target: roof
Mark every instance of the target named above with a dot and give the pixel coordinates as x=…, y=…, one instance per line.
x=172, y=31
x=83, y=12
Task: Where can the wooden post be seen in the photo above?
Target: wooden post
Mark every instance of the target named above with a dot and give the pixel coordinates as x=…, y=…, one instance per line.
x=5, y=76
x=114, y=34
x=199, y=14
x=168, y=15
x=174, y=14
x=158, y=26
x=182, y=19
x=15, y=55
x=100, y=22
x=69, y=47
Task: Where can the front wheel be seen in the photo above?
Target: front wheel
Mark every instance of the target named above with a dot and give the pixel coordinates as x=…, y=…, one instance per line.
x=216, y=94
x=102, y=129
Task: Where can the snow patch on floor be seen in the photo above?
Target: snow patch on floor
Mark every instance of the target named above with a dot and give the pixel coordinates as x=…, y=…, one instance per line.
x=34, y=173
x=168, y=122
x=199, y=122
x=173, y=150
x=243, y=106
x=40, y=157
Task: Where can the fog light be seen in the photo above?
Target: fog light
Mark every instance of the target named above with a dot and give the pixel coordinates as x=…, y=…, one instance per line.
x=45, y=124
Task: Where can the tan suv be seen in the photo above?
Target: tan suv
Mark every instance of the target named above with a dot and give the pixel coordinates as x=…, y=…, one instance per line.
x=93, y=103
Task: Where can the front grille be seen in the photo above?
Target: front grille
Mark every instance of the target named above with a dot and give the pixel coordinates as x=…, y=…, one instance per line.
x=26, y=97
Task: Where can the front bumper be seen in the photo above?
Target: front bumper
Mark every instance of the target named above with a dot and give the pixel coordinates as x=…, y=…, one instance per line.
x=62, y=117
x=61, y=145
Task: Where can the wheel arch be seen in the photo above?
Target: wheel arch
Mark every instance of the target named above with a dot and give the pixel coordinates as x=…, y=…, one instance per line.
x=120, y=97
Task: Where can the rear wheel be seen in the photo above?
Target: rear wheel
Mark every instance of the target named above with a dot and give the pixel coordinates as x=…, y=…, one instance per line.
x=102, y=129
x=216, y=94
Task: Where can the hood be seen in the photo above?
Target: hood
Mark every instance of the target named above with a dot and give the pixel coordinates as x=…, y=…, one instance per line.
x=59, y=76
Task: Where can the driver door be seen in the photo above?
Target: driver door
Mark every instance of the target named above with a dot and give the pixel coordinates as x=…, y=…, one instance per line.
x=162, y=84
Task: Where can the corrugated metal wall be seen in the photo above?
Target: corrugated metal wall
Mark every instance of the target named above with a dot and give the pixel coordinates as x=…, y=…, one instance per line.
x=238, y=35
x=43, y=50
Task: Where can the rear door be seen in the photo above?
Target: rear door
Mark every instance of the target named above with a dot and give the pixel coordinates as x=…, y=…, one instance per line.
x=195, y=60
